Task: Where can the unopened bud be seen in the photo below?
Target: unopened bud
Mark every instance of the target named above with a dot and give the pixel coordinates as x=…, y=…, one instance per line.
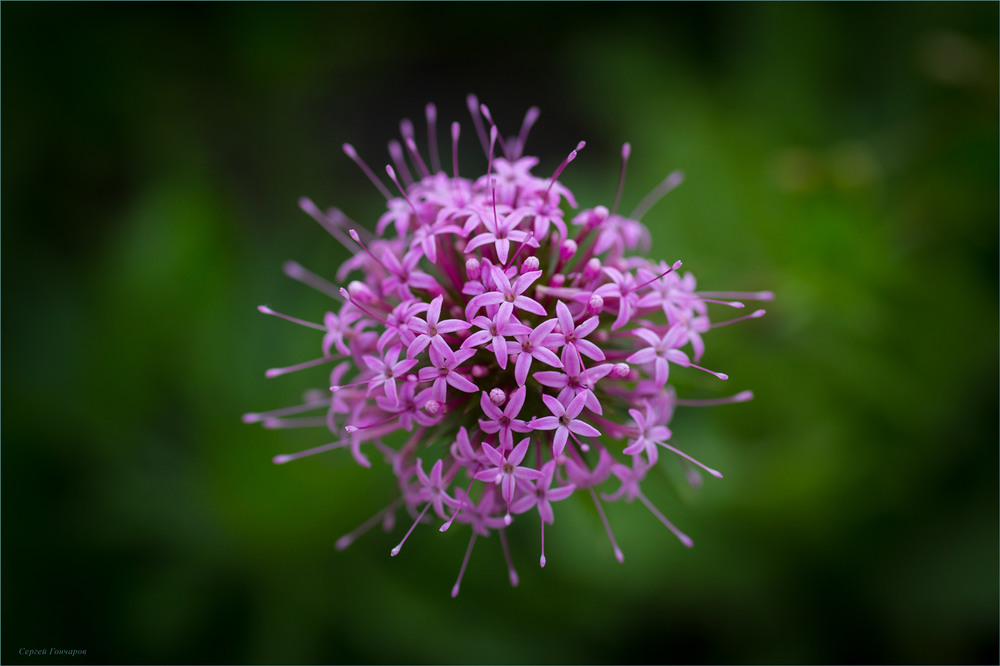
x=432, y=407
x=480, y=371
x=592, y=269
x=361, y=292
x=530, y=264
x=472, y=268
x=557, y=280
x=498, y=397
x=620, y=370
x=595, y=305
x=567, y=249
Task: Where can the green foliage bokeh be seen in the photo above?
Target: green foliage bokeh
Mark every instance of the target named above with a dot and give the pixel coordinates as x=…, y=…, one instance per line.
x=844, y=156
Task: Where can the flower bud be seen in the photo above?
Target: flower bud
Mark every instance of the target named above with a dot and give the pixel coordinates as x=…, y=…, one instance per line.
x=620, y=370
x=595, y=304
x=472, y=268
x=498, y=397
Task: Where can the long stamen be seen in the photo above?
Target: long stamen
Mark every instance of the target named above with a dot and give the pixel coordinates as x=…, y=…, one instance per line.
x=332, y=226
x=529, y=120
x=456, y=129
x=511, y=572
x=276, y=372
x=301, y=322
x=395, y=551
x=684, y=539
x=732, y=304
x=541, y=559
x=565, y=162
x=411, y=145
x=349, y=538
x=607, y=526
x=307, y=422
x=489, y=161
x=346, y=294
x=743, y=396
x=756, y=314
x=660, y=191
x=465, y=562
x=256, y=417
x=677, y=265
x=626, y=151
x=717, y=474
x=748, y=295
x=527, y=241
x=396, y=153
x=357, y=239
x=430, y=112
x=493, y=126
x=447, y=524
x=392, y=174
x=721, y=375
x=353, y=154
x=282, y=459
x=473, y=103
x=294, y=270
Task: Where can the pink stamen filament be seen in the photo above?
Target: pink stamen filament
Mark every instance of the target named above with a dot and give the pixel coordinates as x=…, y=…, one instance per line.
x=295, y=271
x=756, y=314
x=430, y=112
x=661, y=190
x=676, y=266
x=411, y=145
x=392, y=175
x=346, y=294
x=455, y=131
x=626, y=151
x=465, y=561
x=447, y=524
x=282, y=459
x=301, y=322
x=511, y=572
x=684, y=539
x=353, y=154
x=493, y=128
x=565, y=163
x=473, y=104
x=254, y=417
x=396, y=153
x=743, y=396
x=607, y=527
x=308, y=422
x=277, y=372
x=522, y=138
x=717, y=474
x=395, y=551
x=349, y=538
x=748, y=295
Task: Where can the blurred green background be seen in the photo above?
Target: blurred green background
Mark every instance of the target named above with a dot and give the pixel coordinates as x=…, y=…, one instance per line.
x=843, y=155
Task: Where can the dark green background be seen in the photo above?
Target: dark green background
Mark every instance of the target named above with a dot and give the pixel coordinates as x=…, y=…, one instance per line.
x=843, y=155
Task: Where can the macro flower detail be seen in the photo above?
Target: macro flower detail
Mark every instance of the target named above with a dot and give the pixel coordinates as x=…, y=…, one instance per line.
x=475, y=316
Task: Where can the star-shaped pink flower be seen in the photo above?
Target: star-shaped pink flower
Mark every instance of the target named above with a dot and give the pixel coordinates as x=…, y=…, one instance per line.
x=564, y=421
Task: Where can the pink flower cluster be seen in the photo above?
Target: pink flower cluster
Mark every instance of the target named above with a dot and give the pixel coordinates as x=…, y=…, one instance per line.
x=498, y=352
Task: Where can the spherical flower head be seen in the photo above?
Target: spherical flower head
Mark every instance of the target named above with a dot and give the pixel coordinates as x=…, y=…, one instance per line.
x=476, y=317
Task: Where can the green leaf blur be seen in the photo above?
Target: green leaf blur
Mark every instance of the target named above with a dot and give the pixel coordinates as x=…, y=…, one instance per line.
x=844, y=156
